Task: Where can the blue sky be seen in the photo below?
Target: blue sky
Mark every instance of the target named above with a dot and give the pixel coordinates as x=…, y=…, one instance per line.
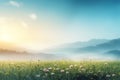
x=64, y=21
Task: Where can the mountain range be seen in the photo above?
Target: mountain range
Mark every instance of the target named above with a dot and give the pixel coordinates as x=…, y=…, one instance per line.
x=111, y=45
x=99, y=47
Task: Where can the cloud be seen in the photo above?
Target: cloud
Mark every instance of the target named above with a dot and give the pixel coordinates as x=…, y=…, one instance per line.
x=33, y=16
x=14, y=3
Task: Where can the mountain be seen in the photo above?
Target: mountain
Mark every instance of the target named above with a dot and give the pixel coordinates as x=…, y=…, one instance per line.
x=91, y=42
x=96, y=49
x=115, y=53
x=101, y=48
x=72, y=47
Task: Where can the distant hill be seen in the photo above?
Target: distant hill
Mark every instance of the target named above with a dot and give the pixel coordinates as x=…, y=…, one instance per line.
x=72, y=47
x=114, y=52
x=101, y=48
x=96, y=48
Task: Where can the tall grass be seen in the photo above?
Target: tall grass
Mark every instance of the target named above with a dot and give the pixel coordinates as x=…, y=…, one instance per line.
x=59, y=70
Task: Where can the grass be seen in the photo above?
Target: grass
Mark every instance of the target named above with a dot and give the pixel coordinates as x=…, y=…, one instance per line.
x=59, y=70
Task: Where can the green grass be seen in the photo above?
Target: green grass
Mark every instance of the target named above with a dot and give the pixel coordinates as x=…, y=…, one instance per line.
x=59, y=70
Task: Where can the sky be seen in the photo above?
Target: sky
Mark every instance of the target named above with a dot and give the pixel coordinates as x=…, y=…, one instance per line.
x=39, y=24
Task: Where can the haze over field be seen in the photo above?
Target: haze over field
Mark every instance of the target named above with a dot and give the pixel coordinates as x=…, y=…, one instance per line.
x=64, y=29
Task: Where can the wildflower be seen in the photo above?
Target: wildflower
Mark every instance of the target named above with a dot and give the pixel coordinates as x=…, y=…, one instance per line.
x=37, y=75
x=67, y=72
x=49, y=68
x=52, y=73
x=81, y=66
x=113, y=75
x=107, y=75
x=83, y=69
x=62, y=71
x=45, y=70
x=70, y=66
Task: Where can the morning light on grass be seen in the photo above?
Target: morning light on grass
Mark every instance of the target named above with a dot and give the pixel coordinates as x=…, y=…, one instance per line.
x=59, y=70
x=59, y=40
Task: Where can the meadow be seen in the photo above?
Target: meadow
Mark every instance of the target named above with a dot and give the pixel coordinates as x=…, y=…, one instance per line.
x=59, y=70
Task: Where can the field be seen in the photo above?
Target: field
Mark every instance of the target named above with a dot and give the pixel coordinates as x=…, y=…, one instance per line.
x=59, y=70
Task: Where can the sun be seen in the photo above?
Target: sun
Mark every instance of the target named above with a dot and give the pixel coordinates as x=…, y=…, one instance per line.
x=5, y=38
x=5, y=35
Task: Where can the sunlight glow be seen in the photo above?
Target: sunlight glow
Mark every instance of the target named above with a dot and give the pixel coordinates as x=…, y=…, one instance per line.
x=19, y=32
x=11, y=31
x=5, y=38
